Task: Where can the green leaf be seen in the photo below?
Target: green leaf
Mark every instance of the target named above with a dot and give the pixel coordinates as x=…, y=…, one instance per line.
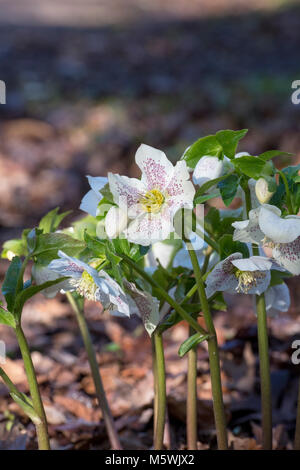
x=48, y=245
x=26, y=294
x=205, y=197
x=51, y=221
x=191, y=342
x=229, y=141
x=208, y=145
x=228, y=246
x=250, y=166
x=274, y=153
x=228, y=188
x=169, y=321
x=209, y=184
x=10, y=282
x=107, y=194
x=7, y=318
x=277, y=277
x=96, y=246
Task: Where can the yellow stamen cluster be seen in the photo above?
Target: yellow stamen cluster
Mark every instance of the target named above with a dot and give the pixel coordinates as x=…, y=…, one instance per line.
x=152, y=201
x=248, y=280
x=85, y=286
x=268, y=243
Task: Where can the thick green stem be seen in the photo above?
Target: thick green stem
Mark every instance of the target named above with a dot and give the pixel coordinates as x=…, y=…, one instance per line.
x=101, y=396
x=191, y=403
x=263, y=351
x=41, y=428
x=289, y=201
x=214, y=360
x=297, y=432
x=161, y=392
x=177, y=307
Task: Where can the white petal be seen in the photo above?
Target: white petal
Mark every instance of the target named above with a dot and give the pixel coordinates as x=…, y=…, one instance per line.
x=148, y=228
x=288, y=256
x=126, y=191
x=278, y=299
x=147, y=307
x=115, y=221
x=276, y=228
x=254, y=263
x=90, y=203
x=241, y=154
x=222, y=278
x=262, y=284
x=97, y=182
x=180, y=191
x=156, y=169
x=163, y=252
x=248, y=231
x=66, y=266
x=42, y=274
x=208, y=168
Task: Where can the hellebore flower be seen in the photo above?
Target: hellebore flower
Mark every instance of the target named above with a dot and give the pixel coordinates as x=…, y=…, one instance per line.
x=277, y=299
x=152, y=201
x=91, y=284
x=143, y=305
x=91, y=200
x=266, y=226
x=115, y=221
x=262, y=191
x=237, y=274
x=42, y=274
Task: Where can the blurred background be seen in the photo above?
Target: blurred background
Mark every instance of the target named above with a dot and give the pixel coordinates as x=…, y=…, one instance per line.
x=87, y=82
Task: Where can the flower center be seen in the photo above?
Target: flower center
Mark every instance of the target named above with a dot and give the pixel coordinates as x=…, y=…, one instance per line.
x=268, y=243
x=85, y=286
x=152, y=201
x=248, y=280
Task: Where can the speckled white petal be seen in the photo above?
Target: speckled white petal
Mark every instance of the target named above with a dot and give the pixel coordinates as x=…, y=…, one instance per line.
x=277, y=299
x=148, y=228
x=248, y=231
x=262, y=284
x=207, y=168
x=254, y=263
x=157, y=170
x=276, y=228
x=147, y=307
x=180, y=191
x=89, y=203
x=126, y=191
x=67, y=266
x=221, y=277
x=287, y=255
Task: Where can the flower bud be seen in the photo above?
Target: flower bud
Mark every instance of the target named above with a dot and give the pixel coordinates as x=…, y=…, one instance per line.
x=262, y=191
x=208, y=168
x=115, y=221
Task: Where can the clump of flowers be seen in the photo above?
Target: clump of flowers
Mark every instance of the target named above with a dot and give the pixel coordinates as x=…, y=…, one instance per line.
x=129, y=256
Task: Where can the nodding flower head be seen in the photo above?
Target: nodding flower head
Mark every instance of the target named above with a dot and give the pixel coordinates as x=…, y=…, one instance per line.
x=85, y=286
x=247, y=280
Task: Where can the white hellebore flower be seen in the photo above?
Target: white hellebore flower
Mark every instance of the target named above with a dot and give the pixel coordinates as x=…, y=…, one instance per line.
x=237, y=274
x=92, y=284
x=266, y=226
x=277, y=299
x=42, y=274
x=91, y=200
x=152, y=201
x=144, y=306
x=208, y=168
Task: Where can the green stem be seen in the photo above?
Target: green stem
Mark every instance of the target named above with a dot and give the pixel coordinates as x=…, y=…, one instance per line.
x=177, y=307
x=154, y=368
x=41, y=428
x=161, y=392
x=297, y=432
x=100, y=392
x=265, y=380
x=288, y=193
x=214, y=360
x=191, y=404
x=263, y=352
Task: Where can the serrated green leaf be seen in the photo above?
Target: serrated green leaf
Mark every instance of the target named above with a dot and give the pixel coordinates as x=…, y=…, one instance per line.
x=249, y=165
x=274, y=153
x=191, y=342
x=7, y=318
x=205, y=197
x=107, y=194
x=51, y=221
x=208, y=145
x=229, y=141
x=96, y=246
x=9, y=285
x=228, y=188
x=48, y=245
